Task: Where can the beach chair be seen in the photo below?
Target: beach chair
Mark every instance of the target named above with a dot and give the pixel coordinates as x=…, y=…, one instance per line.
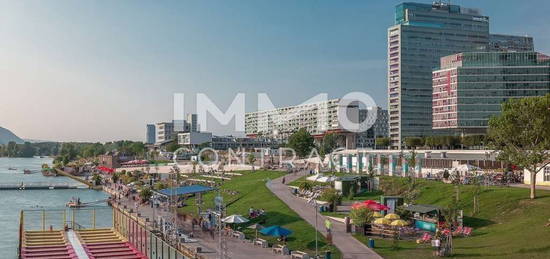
x=467, y=231
x=426, y=238
x=458, y=231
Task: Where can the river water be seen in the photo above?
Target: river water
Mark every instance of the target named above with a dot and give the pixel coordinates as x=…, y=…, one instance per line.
x=51, y=201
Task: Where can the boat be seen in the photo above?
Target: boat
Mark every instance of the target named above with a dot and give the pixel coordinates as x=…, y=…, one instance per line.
x=74, y=203
x=46, y=172
x=27, y=171
x=12, y=169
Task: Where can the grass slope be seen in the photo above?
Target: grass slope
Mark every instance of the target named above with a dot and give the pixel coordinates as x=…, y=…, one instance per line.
x=254, y=193
x=509, y=224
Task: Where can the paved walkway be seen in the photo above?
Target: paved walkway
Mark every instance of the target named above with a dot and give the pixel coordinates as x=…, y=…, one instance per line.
x=236, y=249
x=350, y=247
x=527, y=186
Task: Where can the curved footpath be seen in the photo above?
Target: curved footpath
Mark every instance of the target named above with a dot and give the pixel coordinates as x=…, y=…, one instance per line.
x=350, y=247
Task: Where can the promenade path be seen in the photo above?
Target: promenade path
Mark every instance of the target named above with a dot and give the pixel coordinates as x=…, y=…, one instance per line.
x=350, y=247
x=236, y=249
x=527, y=186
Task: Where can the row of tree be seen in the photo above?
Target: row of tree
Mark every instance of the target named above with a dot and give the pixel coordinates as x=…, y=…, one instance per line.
x=13, y=149
x=73, y=151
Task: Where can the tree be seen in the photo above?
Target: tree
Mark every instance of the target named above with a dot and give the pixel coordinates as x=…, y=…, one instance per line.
x=302, y=142
x=411, y=160
x=414, y=142
x=332, y=196
x=361, y=216
x=145, y=193
x=305, y=186
x=172, y=147
x=96, y=178
x=251, y=160
x=27, y=150
x=328, y=144
x=382, y=141
x=521, y=134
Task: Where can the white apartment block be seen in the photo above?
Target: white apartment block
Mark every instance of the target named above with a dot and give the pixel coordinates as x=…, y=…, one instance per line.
x=317, y=118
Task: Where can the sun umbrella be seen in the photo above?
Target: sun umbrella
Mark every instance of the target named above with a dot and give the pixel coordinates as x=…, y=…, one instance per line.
x=377, y=207
x=392, y=216
x=399, y=223
x=382, y=221
x=235, y=219
x=275, y=231
x=257, y=227
x=363, y=203
x=377, y=214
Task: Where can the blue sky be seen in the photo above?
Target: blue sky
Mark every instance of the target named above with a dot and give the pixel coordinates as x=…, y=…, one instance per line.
x=101, y=70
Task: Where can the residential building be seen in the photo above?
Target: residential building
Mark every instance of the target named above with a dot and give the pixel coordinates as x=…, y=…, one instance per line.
x=318, y=119
x=510, y=43
x=469, y=87
x=422, y=34
x=150, y=134
x=165, y=132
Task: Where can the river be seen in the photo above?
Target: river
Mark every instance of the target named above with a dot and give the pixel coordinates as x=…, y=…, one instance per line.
x=13, y=201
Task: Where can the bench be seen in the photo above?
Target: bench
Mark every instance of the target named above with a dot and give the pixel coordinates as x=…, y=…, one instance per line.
x=260, y=242
x=281, y=249
x=299, y=255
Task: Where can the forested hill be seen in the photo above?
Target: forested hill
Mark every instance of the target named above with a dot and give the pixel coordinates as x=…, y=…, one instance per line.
x=6, y=136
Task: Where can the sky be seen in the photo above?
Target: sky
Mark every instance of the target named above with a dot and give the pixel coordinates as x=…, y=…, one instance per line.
x=102, y=70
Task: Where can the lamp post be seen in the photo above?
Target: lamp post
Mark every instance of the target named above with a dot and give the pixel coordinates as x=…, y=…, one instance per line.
x=313, y=201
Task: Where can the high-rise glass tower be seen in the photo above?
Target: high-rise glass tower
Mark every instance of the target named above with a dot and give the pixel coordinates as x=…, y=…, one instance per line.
x=422, y=34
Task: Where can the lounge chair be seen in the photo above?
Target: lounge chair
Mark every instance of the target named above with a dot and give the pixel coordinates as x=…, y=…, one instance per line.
x=467, y=231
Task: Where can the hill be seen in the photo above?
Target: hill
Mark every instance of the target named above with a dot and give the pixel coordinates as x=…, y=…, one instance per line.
x=6, y=136
x=508, y=224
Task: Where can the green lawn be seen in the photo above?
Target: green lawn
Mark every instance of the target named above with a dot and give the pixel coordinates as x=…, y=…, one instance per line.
x=254, y=193
x=509, y=224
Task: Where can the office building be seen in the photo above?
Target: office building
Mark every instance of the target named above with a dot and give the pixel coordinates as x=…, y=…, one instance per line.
x=422, y=34
x=469, y=87
x=192, y=123
x=317, y=118
x=194, y=139
x=367, y=138
x=510, y=43
x=165, y=132
x=150, y=135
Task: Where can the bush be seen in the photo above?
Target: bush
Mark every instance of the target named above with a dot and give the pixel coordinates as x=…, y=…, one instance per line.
x=331, y=196
x=305, y=186
x=361, y=216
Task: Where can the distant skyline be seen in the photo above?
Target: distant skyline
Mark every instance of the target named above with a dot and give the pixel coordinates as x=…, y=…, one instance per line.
x=101, y=70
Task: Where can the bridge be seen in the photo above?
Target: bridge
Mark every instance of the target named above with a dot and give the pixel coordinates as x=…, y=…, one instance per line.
x=40, y=186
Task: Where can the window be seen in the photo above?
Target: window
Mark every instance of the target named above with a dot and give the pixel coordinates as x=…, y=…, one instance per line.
x=547, y=174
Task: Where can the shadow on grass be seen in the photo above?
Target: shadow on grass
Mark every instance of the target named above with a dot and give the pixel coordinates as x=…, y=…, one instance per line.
x=477, y=222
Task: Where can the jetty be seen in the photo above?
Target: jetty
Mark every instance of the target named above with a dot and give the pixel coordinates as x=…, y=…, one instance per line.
x=40, y=186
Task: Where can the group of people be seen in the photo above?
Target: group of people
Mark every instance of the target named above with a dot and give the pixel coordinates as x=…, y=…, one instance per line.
x=253, y=213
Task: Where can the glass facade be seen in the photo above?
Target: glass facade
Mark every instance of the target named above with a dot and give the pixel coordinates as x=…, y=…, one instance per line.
x=470, y=87
x=422, y=35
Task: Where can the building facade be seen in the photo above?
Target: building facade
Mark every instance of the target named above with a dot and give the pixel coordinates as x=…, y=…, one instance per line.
x=317, y=118
x=422, y=34
x=469, y=87
x=510, y=43
x=380, y=128
x=150, y=135
x=165, y=132
x=194, y=139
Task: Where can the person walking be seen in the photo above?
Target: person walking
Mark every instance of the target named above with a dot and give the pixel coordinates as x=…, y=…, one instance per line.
x=284, y=180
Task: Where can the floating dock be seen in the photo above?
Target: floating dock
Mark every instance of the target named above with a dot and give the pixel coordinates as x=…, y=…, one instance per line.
x=40, y=186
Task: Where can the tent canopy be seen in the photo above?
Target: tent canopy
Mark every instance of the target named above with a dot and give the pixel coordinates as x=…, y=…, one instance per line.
x=421, y=208
x=184, y=190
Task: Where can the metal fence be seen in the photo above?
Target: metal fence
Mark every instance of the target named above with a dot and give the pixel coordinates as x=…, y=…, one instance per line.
x=143, y=239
